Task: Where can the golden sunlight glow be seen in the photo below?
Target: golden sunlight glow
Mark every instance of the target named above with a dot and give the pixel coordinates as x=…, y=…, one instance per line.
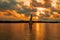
x=40, y=11
x=22, y=15
x=36, y=17
x=55, y=4
x=55, y=13
x=40, y=8
x=42, y=1
x=26, y=2
x=37, y=13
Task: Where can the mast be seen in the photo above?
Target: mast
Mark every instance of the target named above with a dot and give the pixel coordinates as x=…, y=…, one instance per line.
x=30, y=23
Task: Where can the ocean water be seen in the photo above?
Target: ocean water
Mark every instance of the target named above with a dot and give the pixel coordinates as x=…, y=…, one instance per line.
x=23, y=31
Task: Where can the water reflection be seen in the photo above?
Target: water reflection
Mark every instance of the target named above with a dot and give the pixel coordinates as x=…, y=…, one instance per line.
x=40, y=31
x=21, y=31
x=52, y=31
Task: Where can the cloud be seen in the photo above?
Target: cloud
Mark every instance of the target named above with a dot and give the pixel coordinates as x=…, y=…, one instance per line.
x=8, y=4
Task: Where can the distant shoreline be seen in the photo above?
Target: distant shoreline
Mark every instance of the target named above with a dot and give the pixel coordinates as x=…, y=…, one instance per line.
x=29, y=21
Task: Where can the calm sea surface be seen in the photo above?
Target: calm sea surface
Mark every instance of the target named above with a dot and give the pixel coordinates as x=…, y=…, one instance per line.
x=22, y=31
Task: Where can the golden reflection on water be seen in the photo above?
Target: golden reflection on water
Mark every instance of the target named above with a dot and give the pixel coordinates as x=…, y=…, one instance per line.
x=21, y=31
x=40, y=31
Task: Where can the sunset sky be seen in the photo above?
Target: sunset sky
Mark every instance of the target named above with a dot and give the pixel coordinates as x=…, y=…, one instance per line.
x=27, y=7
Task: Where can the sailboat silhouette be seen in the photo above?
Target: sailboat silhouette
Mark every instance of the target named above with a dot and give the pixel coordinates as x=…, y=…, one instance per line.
x=30, y=23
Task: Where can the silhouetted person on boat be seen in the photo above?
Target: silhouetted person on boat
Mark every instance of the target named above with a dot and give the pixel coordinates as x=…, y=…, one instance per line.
x=30, y=23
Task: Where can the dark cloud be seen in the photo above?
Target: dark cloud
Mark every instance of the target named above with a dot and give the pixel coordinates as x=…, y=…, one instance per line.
x=6, y=5
x=11, y=5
